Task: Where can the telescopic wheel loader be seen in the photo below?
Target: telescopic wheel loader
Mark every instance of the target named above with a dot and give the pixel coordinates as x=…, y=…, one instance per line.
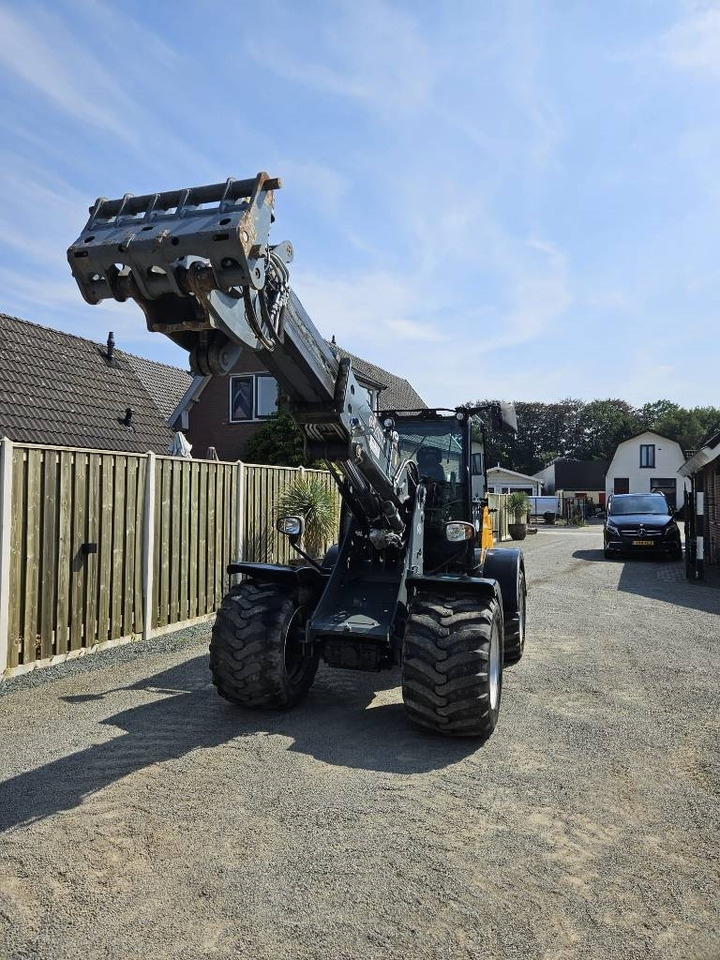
x=414, y=579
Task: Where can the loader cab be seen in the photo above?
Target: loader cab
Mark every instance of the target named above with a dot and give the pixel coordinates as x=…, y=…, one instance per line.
x=438, y=442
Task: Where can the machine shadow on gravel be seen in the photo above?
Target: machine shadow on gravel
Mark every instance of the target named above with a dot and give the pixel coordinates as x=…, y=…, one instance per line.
x=653, y=577
x=337, y=724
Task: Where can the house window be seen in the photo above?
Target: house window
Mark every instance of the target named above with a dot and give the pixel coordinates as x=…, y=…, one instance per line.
x=621, y=485
x=253, y=397
x=647, y=454
x=266, y=396
x=477, y=465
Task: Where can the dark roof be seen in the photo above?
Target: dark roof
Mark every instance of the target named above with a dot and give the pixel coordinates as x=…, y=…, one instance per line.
x=166, y=385
x=58, y=389
x=396, y=393
x=580, y=474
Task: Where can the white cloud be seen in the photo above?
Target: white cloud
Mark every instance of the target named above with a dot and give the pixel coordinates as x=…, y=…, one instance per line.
x=370, y=308
x=374, y=54
x=694, y=42
x=48, y=59
x=416, y=328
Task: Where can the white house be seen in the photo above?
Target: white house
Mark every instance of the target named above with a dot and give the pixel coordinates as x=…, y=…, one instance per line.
x=501, y=480
x=645, y=463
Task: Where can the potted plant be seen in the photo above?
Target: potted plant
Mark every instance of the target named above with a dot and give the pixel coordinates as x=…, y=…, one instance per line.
x=316, y=503
x=517, y=503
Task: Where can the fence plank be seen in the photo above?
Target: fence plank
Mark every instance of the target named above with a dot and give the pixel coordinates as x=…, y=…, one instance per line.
x=77, y=537
x=32, y=555
x=193, y=474
x=64, y=552
x=165, y=538
x=138, y=586
x=131, y=498
x=118, y=547
x=18, y=567
x=48, y=563
x=107, y=485
x=184, y=535
x=90, y=561
x=149, y=579
x=202, y=538
x=6, y=478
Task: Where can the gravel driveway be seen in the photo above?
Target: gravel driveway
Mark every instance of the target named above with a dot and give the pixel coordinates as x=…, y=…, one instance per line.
x=146, y=818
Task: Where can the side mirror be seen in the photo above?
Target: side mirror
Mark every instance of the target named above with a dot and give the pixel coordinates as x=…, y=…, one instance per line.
x=458, y=530
x=292, y=527
x=505, y=417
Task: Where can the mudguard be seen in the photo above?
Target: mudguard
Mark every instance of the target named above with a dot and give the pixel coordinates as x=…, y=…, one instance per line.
x=447, y=583
x=303, y=578
x=504, y=566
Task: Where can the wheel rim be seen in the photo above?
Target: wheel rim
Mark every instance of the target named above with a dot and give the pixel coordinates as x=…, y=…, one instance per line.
x=521, y=611
x=294, y=653
x=494, y=669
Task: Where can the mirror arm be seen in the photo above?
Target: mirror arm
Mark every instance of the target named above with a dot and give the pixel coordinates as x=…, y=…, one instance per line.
x=294, y=545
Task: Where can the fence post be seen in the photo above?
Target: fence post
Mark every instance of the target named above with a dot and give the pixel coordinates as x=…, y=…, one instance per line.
x=148, y=544
x=240, y=512
x=6, y=462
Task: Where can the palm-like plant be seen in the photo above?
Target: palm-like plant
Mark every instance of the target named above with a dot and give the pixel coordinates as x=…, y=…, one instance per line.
x=517, y=503
x=317, y=504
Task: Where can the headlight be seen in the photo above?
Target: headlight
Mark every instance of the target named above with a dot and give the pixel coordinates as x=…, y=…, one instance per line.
x=611, y=528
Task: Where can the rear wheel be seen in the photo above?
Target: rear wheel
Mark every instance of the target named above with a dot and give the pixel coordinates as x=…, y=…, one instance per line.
x=452, y=664
x=257, y=658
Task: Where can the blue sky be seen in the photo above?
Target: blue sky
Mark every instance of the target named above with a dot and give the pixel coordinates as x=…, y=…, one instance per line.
x=515, y=199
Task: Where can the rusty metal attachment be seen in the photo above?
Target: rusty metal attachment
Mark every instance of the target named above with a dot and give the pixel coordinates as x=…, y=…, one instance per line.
x=196, y=261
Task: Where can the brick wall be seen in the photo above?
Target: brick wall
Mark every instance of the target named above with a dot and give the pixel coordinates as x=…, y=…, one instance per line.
x=209, y=418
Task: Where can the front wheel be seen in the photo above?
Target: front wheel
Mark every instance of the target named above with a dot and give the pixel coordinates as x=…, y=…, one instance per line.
x=257, y=657
x=452, y=664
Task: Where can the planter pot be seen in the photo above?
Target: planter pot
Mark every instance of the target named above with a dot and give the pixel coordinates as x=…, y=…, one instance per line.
x=518, y=531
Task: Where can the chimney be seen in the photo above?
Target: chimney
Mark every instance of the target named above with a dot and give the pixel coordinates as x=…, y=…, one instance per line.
x=127, y=421
x=110, y=346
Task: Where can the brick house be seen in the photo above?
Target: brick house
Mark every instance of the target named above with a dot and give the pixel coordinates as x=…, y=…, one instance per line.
x=702, y=531
x=224, y=412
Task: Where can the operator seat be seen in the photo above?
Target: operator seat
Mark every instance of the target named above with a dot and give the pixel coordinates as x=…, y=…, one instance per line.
x=429, y=465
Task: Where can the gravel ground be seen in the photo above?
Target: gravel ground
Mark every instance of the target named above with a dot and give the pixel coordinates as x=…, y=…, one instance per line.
x=145, y=818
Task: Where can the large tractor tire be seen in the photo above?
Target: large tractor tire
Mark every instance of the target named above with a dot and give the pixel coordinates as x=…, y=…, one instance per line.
x=515, y=623
x=256, y=657
x=452, y=664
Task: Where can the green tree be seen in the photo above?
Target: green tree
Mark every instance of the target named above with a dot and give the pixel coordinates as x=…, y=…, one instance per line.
x=545, y=431
x=650, y=414
x=688, y=427
x=278, y=442
x=602, y=425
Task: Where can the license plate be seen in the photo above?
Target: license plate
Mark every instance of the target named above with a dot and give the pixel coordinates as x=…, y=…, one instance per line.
x=643, y=543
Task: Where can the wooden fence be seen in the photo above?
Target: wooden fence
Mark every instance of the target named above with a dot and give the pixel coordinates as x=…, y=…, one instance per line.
x=500, y=516
x=97, y=548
